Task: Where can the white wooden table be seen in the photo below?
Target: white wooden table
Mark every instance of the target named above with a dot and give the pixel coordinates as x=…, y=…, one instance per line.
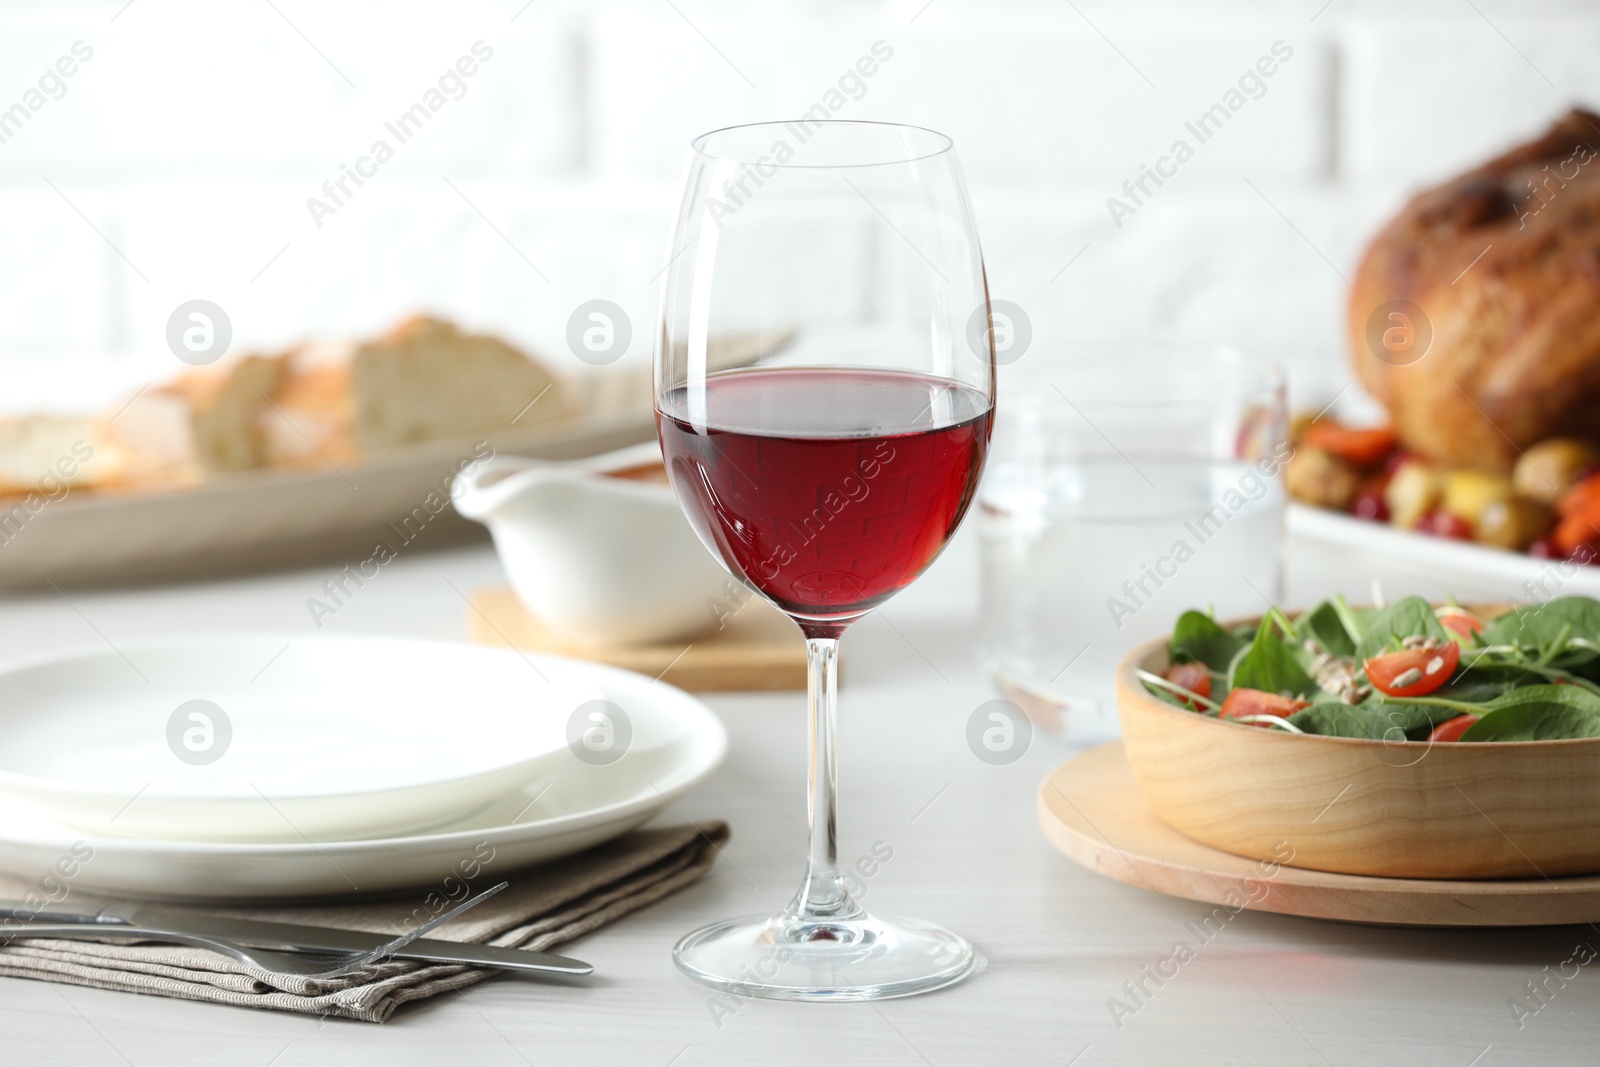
x=1060, y=942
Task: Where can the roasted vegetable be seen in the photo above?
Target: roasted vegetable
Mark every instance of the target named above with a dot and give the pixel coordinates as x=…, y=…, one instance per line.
x=1319, y=478
x=1490, y=506
x=1414, y=490
x=1583, y=496
x=1467, y=493
x=1515, y=523
x=1364, y=448
x=1579, y=508
x=1550, y=468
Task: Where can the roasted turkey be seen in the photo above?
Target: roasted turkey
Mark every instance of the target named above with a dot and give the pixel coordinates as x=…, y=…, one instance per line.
x=1504, y=265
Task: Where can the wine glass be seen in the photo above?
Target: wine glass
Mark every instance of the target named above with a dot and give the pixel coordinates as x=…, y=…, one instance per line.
x=830, y=471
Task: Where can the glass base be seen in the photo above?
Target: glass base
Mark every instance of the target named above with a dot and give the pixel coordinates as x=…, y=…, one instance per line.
x=787, y=958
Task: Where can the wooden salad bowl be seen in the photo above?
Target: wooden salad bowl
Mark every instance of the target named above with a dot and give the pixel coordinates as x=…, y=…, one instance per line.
x=1403, y=809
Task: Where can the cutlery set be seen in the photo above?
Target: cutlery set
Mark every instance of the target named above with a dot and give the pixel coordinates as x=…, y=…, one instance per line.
x=284, y=948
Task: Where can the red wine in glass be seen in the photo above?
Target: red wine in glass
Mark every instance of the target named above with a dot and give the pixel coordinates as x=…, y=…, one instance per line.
x=826, y=489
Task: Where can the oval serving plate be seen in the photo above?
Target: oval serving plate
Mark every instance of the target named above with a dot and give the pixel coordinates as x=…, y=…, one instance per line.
x=1454, y=563
x=676, y=743
x=1414, y=809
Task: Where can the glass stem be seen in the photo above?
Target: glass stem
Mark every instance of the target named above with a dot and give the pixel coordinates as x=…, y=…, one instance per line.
x=822, y=897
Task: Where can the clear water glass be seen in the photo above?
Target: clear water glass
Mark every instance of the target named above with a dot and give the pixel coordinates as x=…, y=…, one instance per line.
x=1141, y=480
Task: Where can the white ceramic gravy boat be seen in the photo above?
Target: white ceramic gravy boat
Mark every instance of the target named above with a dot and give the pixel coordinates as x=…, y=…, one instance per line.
x=604, y=560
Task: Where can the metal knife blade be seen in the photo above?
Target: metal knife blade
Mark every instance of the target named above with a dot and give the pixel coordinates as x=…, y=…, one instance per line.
x=295, y=937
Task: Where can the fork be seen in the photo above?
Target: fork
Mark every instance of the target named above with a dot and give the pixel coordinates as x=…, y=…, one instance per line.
x=263, y=959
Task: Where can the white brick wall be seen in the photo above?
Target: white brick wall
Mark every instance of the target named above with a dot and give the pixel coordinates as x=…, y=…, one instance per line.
x=1399, y=71
x=1035, y=99
x=194, y=135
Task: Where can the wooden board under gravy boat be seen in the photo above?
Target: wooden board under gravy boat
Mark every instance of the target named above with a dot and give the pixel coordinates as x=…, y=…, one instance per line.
x=1091, y=809
x=757, y=648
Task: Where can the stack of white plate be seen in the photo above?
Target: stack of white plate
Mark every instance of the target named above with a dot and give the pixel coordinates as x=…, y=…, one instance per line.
x=263, y=767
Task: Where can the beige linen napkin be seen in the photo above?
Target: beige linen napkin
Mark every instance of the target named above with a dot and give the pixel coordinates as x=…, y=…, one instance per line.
x=542, y=907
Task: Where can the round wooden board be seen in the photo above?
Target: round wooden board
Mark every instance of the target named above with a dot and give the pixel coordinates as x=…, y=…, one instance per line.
x=1091, y=809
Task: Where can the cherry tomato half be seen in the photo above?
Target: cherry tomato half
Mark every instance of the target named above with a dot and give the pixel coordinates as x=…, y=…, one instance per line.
x=1192, y=676
x=1413, y=672
x=1461, y=621
x=1362, y=448
x=1452, y=729
x=1242, y=703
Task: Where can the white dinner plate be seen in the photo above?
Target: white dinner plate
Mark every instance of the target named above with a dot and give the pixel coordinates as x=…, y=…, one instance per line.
x=670, y=742
x=263, y=738
x=1447, y=561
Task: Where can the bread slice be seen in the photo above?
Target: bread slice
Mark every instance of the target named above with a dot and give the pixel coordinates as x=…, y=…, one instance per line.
x=310, y=422
x=50, y=455
x=427, y=381
x=423, y=381
x=205, y=421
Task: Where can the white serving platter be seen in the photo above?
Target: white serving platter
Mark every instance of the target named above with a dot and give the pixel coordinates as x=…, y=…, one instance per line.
x=1454, y=563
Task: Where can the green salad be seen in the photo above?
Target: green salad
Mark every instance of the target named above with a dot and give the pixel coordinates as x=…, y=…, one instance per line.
x=1406, y=672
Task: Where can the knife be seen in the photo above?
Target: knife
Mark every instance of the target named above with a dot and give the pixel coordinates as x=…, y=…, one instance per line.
x=291, y=937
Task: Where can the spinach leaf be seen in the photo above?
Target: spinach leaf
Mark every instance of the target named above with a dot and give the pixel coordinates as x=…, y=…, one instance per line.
x=1416, y=721
x=1270, y=664
x=1534, y=695
x=1538, y=713
x=1198, y=637
x=1347, y=720
x=1382, y=720
x=1324, y=626
x=1408, y=617
x=1542, y=718
x=1516, y=670
x=1473, y=690
x=1535, y=722
x=1355, y=620
x=1544, y=628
